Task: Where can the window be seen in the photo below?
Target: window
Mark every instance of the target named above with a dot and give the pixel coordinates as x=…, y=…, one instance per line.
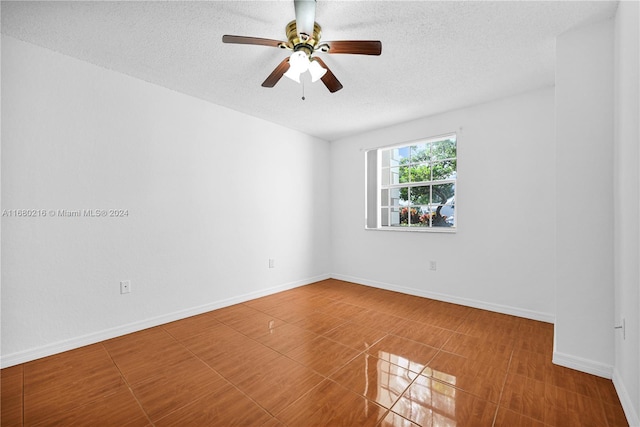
x=412, y=186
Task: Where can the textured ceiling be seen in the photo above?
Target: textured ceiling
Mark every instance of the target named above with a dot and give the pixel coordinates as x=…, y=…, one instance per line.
x=436, y=56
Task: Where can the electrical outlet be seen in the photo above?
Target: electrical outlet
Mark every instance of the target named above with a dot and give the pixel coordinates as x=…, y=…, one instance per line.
x=432, y=265
x=125, y=286
x=272, y=263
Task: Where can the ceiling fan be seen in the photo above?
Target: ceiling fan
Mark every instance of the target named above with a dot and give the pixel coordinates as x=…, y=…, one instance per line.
x=303, y=39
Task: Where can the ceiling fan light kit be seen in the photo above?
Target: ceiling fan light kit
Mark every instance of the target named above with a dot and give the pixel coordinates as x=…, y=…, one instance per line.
x=303, y=38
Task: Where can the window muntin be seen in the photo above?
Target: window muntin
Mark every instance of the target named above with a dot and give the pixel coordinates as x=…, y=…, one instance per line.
x=417, y=184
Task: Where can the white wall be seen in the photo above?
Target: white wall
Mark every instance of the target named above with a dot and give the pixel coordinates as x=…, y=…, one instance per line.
x=626, y=375
x=502, y=255
x=212, y=194
x=584, y=155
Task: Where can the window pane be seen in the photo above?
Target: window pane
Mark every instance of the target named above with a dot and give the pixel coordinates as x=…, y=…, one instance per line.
x=405, y=215
x=441, y=193
x=399, y=196
x=420, y=173
x=414, y=216
x=384, y=217
x=385, y=156
x=400, y=153
x=384, y=176
x=420, y=153
x=420, y=195
x=444, y=170
x=384, y=198
x=420, y=216
x=394, y=216
x=443, y=216
x=443, y=149
x=404, y=174
x=395, y=176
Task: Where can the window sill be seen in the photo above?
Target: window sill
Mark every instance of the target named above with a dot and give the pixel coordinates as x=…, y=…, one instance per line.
x=446, y=230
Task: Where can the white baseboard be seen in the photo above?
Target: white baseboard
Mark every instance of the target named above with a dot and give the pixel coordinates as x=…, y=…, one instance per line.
x=77, y=342
x=584, y=365
x=627, y=403
x=498, y=308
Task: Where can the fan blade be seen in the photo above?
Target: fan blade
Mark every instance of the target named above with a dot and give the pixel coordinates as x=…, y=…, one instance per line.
x=251, y=40
x=305, y=17
x=277, y=74
x=329, y=80
x=358, y=47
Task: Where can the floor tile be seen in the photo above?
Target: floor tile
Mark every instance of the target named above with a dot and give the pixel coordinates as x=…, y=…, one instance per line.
x=473, y=376
x=11, y=380
x=255, y=325
x=67, y=368
x=191, y=326
x=442, y=320
x=377, y=320
x=430, y=335
x=330, y=404
x=429, y=402
x=318, y=302
x=442, y=314
x=355, y=336
x=276, y=384
x=290, y=312
x=394, y=420
x=268, y=302
x=11, y=410
x=564, y=408
x=509, y=418
x=524, y=395
x=403, y=352
x=571, y=380
x=11, y=383
x=139, y=356
x=213, y=340
x=319, y=322
x=225, y=406
x=535, y=336
x=286, y=337
x=323, y=355
x=228, y=351
x=341, y=309
x=176, y=387
x=117, y=409
x=273, y=422
x=59, y=383
x=490, y=332
x=530, y=363
x=233, y=313
x=615, y=415
x=376, y=379
x=472, y=347
x=607, y=391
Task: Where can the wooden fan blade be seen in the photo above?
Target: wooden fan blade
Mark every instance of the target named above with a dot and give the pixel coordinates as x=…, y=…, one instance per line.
x=251, y=40
x=277, y=74
x=357, y=47
x=329, y=80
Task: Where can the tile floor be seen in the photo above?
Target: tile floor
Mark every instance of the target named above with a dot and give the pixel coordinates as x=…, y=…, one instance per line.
x=327, y=354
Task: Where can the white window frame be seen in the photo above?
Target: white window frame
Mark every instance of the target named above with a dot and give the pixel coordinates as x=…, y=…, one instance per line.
x=374, y=187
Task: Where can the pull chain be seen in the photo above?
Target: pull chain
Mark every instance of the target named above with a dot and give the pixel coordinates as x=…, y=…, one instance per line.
x=303, y=98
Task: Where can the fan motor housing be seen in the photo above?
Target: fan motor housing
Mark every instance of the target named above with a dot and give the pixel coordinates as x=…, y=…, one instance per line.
x=297, y=44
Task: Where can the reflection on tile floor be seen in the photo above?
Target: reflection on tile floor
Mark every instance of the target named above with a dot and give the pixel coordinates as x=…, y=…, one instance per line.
x=328, y=354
